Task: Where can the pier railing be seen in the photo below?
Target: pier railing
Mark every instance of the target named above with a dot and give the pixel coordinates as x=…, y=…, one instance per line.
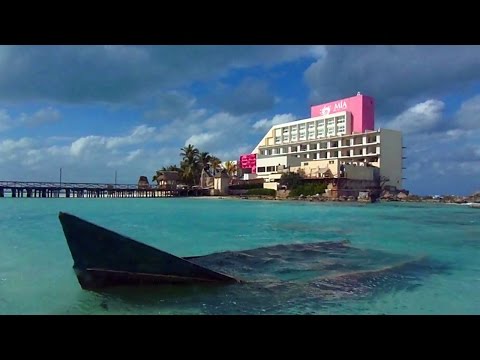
x=47, y=189
x=65, y=185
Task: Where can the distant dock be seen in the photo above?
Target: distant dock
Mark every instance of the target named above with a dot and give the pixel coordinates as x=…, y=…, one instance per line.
x=20, y=189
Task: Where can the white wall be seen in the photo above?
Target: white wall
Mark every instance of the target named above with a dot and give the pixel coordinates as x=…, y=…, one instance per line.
x=391, y=157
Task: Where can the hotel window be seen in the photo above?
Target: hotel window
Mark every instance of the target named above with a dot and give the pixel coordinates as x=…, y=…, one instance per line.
x=330, y=121
x=261, y=169
x=331, y=131
x=311, y=126
x=285, y=138
x=285, y=130
x=334, y=144
x=294, y=137
x=293, y=149
x=302, y=137
x=323, y=155
x=341, y=129
x=265, y=152
x=275, y=151
x=302, y=126
x=303, y=147
x=285, y=150
x=293, y=129
x=320, y=122
x=323, y=145
x=340, y=119
x=278, y=140
x=270, y=168
x=313, y=146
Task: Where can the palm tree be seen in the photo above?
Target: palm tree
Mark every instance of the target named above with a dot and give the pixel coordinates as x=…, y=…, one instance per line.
x=189, y=164
x=189, y=172
x=203, y=160
x=231, y=168
x=189, y=153
x=214, y=163
x=170, y=168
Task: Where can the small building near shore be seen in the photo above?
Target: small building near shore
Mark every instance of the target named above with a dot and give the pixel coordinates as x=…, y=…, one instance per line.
x=143, y=183
x=167, y=180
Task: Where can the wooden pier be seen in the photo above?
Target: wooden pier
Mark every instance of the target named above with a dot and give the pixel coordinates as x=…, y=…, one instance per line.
x=19, y=189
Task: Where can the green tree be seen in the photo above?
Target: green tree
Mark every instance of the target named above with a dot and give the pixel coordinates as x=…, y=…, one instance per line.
x=215, y=164
x=291, y=180
x=190, y=164
x=204, y=160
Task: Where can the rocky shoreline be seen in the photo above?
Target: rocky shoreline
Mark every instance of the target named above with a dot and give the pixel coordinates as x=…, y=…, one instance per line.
x=385, y=197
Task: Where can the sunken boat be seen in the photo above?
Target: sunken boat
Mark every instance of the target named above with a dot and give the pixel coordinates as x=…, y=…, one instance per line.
x=298, y=273
x=103, y=258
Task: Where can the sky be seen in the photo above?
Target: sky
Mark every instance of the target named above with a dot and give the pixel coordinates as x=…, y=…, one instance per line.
x=94, y=111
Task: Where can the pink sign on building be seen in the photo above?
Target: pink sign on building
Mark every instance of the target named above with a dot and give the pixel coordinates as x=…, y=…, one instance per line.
x=249, y=161
x=361, y=107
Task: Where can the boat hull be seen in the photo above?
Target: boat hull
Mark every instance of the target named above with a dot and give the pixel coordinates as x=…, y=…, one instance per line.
x=103, y=258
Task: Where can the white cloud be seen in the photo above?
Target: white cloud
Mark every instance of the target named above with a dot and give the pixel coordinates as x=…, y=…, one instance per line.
x=266, y=124
x=42, y=116
x=468, y=116
x=393, y=75
x=420, y=117
x=12, y=150
x=118, y=74
x=141, y=133
x=204, y=140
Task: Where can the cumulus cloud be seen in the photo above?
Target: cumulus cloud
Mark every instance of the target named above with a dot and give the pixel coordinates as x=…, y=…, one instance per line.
x=91, y=145
x=266, y=124
x=420, y=117
x=42, y=116
x=468, y=116
x=204, y=140
x=114, y=74
x=395, y=75
x=10, y=149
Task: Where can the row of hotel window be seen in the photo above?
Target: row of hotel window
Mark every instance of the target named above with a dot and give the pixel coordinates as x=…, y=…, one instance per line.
x=263, y=169
x=290, y=133
x=304, y=147
x=333, y=154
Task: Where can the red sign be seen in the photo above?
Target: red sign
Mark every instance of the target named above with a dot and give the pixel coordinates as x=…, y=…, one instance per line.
x=249, y=161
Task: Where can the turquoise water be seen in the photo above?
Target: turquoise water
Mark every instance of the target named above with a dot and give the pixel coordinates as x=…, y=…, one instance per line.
x=36, y=275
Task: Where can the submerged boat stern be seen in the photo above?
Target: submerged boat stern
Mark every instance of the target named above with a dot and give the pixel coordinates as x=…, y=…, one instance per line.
x=103, y=258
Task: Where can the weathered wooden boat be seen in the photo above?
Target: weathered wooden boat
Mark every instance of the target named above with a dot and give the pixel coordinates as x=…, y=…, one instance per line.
x=104, y=258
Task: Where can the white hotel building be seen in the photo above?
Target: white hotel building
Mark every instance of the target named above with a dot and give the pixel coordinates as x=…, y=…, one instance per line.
x=338, y=133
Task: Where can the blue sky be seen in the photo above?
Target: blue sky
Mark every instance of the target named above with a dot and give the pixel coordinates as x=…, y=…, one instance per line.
x=94, y=110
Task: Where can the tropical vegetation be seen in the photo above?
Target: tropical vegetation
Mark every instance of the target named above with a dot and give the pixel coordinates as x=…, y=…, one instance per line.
x=192, y=162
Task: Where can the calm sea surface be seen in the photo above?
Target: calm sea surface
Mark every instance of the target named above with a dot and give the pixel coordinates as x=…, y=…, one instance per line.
x=442, y=241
